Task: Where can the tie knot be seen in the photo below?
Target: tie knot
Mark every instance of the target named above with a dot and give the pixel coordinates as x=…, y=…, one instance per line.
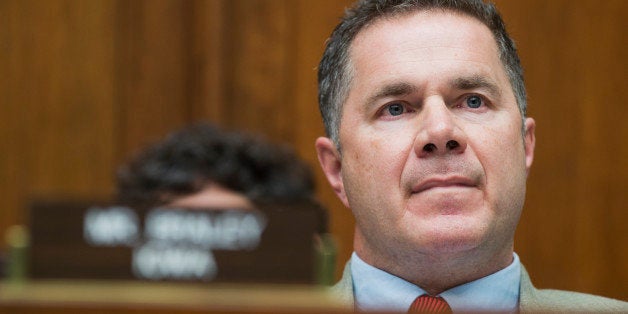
x=429, y=304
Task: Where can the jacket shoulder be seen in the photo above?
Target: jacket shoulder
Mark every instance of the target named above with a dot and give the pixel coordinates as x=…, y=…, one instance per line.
x=578, y=302
x=549, y=300
x=343, y=290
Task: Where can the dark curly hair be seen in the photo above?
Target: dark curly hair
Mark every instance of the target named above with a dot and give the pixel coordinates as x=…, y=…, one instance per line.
x=187, y=160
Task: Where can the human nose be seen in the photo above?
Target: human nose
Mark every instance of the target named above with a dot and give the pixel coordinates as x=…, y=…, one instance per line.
x=439, y=134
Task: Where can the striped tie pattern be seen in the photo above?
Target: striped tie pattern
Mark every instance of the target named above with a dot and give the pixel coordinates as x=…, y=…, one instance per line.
x=429, y=304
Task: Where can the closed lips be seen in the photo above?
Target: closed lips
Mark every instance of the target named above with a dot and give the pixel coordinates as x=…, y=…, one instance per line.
x=443, y=182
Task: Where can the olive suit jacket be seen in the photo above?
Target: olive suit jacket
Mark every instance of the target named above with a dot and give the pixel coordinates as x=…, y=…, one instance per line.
x=531, y=299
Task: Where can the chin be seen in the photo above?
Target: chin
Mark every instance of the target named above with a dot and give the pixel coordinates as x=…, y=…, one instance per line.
x=451, y=235
x=451, y=245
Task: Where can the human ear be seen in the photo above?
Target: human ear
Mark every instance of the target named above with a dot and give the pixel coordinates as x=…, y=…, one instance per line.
x=331, y=163
x=529, y=141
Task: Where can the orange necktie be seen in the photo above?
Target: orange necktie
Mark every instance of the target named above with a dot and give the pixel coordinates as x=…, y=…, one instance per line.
x=429, y=304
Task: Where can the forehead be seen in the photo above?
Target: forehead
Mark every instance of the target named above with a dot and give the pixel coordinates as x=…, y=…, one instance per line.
x=424, y=36
x=213, y=196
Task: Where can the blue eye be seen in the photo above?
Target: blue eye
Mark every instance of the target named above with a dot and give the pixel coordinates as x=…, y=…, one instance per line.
x=395, y=109
x=474, y=102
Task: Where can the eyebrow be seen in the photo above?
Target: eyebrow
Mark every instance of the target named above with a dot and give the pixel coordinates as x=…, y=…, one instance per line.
x=475, y=82
x=394, y=89
x=461, y=83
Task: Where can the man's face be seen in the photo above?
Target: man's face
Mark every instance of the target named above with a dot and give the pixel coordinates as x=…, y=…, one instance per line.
x=433, y=159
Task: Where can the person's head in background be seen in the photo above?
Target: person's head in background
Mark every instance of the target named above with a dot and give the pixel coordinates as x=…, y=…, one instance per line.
x=203, y=166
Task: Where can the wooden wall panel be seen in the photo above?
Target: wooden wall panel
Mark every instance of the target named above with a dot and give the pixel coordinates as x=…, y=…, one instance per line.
x=260, y=67
x=152, y=54
x=11, y=177
x=207, y=56
x=56, y=112
x=573, y=230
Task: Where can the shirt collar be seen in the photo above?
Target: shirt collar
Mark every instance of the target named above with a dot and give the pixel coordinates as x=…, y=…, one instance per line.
x=377, y=290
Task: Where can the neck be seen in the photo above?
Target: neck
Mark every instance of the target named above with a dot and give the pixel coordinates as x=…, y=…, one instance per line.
x=436, y=272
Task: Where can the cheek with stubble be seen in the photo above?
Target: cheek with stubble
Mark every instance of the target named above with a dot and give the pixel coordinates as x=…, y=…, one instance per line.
x=504, y=165
x=368, y=174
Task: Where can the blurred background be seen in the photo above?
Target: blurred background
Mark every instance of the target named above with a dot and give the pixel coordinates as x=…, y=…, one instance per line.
x=85, y=84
